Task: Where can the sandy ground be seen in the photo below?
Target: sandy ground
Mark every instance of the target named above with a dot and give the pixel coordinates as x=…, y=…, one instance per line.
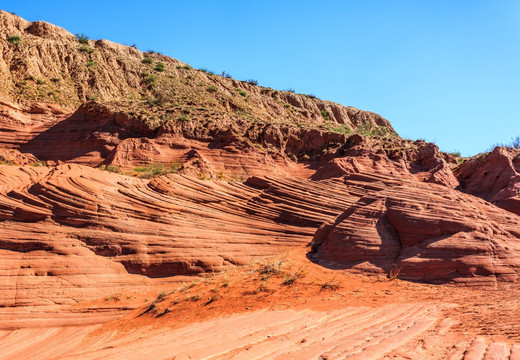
x=279, y=308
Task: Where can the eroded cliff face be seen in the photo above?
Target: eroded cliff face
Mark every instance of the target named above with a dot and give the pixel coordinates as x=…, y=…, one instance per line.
x=243, y=172
x=49, y=64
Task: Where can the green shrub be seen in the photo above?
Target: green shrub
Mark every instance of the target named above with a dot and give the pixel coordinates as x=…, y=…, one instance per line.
x=159, y=67
x=252, y=82
x=91, y=63
x=147, y=60
x=325, y=114
x=211, y=89
x=14, y=39
x=242, y=92
x=149, y=79
x=41, y=82
x=291, y=90
x=82, y=38
x=183, y=67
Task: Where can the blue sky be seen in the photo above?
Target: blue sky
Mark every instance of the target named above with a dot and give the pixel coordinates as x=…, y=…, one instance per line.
x=447, y=71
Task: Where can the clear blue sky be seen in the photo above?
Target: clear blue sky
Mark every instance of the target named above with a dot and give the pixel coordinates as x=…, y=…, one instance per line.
x=446, y=71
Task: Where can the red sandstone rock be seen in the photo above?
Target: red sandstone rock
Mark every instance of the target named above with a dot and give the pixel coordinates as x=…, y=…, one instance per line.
x=420, y=232
x=495, y=177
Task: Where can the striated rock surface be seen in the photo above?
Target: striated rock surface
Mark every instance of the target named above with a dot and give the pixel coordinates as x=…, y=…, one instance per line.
x=420, y=232
x=86, y=229
x=97, y=135
x=494, y=176
x=353, y=332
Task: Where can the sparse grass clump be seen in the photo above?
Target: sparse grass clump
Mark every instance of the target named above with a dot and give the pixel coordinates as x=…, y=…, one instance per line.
x=291, y=90
x=183, y=67
x=157, y=169
x=270, y=268
x=290, y=279
x=147, y=60
x=242, y=92
x=184, y=117
x=151, y=307
x=455, y=153
x=340, y=129
x=41, y=82
x=110, y=168
x=394, y=272
x=159, y=67
x=367, y=129
x=156, y=100
x=209, y=72
x=14, y=39
x=330, y=285
x=325, y=114
x=84, y=48
x=149, y=79
x=252, y=82
x=211, y=89
x=82, y=38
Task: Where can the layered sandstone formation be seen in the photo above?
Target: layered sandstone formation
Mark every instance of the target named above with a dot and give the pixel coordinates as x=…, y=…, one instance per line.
x=420, y=232
x=494, y=176
x=243, y=171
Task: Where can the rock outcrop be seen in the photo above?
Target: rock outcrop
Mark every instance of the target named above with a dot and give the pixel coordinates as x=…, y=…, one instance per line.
x=494, y=176
x=83, y=230
x=420, y=232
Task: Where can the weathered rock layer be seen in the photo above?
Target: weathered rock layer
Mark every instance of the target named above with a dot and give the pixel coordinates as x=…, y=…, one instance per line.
x=420, y=232
x=494, y=176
